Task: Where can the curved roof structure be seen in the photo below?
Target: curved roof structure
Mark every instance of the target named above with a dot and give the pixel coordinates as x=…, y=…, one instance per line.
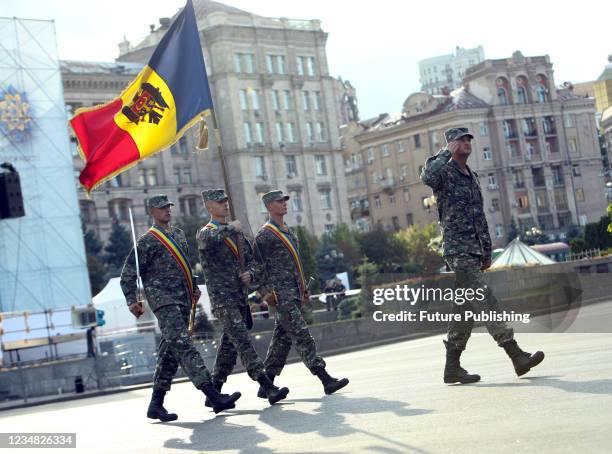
x=518, y=253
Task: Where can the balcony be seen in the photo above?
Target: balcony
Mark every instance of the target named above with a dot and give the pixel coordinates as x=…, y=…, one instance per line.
x=387, y=183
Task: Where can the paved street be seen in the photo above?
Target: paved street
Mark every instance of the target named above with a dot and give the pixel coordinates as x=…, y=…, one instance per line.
x=396, y=403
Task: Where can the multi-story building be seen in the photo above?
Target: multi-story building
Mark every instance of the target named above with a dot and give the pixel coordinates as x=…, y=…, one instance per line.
x=536, y=153
x=278, y=109
x=603, y=88
x=442, y=74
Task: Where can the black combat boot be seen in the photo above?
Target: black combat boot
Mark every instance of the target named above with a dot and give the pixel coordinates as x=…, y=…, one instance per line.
x=273, y=393
x=330, y=384
x=261, y=392
x=521, y=360
x=219, y=401
x=218, y=384
x=453, y=372
x=156, y=408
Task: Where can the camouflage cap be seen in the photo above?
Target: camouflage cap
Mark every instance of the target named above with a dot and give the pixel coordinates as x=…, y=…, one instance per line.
x=216, y=195
x=271, y=196
x=457, y=133
x=159, y=201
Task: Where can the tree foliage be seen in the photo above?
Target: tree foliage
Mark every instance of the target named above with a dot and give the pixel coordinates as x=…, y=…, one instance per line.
x=418, y=245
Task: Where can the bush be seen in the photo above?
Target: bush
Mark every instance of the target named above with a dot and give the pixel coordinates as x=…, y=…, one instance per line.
x=349, y=308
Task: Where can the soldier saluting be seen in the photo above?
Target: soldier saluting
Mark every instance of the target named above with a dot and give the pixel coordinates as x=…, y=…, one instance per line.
x=226, y=286
x=282, y=286
x=467, y=251
x=170, y=291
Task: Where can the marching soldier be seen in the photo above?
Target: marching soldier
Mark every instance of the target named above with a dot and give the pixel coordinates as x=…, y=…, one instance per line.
x=467, y=251
x=218, y=243
x=283, y=286
x=170, y=290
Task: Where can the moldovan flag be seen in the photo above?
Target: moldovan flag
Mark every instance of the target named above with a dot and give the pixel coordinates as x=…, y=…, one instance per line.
x=166, y=98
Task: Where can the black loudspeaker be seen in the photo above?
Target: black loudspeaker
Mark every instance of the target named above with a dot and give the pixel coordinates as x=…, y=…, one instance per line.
x=11, y=199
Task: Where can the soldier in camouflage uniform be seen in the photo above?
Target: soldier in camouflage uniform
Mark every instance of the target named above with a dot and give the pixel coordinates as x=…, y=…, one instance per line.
x=169, y=296
x=467, y=251
x=282, y=286
x=218, y=244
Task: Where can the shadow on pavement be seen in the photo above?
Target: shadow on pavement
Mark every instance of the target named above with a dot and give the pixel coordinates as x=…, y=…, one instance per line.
x=603, y=386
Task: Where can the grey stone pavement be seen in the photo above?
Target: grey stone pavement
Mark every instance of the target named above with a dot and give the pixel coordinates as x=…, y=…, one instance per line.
x=396, y=403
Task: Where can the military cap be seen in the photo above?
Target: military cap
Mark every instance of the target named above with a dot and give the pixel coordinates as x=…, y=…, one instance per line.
x=457, y=133
x=216, y=195
x=272, y=196
x=159, y=201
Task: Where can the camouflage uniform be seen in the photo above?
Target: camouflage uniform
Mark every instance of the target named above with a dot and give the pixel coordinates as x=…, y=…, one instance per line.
x=227, y=294
x=467, y=243
x=168, y=296
x=281, y=276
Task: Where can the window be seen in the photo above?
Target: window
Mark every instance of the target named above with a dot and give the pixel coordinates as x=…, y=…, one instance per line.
x=495, y=204
x=291, y=133
x=579, y=195
x=499, y=231
x=502, y=96
x=403, y=171
x=296, y=201
x=306, y=99
x=396, y=225
x=409, y=219
x=183, y=146
x=237, y=63
x=244, y=102
x=377, y=202
x=118, y=209
x=370, y=155
x=280, y=64
x=188, y=205
x=320, y=165
x=310, y=132
x=255, y=99
x=280, y=136
x=401, y=146
x=270, y=64
x=291, y=165
x=569, y=120
x=385, y=150
x=177, y=176
x=537, y=173
x=484, y=128
x=571, y=144
x=557, y=173
x=275, y=100
x=287, y=97
x=151, y=177
x=541, y=93
x=142, y=179
x=417, y=141
x=392, y=199
x=325, y=196
x=560, y=199
x=375, y=177
x=529, y=127
x=262, y=206
x=300, y=65
x=486, y=154
x=548, y=124
x=321, y=131
x=517, y=177
x=249, y=63
x=329, y=229
x=260, y=166
x=259, y=129
x=492, y=181
x=576, y=170
x=406, y=195
x=521, y=95
x=523, y=201
x=248, y=135
x=310, y=61
x=88, y=210
x=317, y=100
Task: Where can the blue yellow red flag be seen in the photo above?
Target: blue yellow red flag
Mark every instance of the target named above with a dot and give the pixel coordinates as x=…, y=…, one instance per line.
x=169, y=96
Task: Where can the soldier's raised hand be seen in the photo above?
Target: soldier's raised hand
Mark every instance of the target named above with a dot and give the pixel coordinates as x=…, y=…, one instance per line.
x=237, y=225
x=136, y=309
x=453, y=146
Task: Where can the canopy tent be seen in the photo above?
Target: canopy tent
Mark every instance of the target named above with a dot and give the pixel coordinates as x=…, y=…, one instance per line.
x=518, y=253
x=118, y=317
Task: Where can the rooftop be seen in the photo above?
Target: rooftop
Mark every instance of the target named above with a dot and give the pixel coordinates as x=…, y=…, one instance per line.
x=99, y=67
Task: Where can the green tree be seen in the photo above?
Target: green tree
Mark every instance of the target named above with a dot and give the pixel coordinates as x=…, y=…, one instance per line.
x=512, y=231
x=418, y=245
x=610, y=218
x=97, y=274
x=93, y=245
x=116, y=250
x=308, y=243
x=383, y=249
x=366, y=272
x=596, y=235
x=347, y=241
x=202, y=327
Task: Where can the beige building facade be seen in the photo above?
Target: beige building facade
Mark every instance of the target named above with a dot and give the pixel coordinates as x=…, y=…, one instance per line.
x=536, y=153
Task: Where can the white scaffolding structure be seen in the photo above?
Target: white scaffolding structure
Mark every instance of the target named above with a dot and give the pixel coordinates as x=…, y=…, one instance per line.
x=42, y=255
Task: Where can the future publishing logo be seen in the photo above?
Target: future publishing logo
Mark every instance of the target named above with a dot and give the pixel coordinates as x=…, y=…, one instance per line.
x=423, y=295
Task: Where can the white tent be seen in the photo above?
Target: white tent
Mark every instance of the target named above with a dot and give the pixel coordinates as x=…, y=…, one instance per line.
x=518, y=253
x=116, y=314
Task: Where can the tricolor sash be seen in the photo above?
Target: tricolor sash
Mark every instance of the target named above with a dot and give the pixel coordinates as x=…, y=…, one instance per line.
x=177, y=253
x=230, y=243
x=288, y=243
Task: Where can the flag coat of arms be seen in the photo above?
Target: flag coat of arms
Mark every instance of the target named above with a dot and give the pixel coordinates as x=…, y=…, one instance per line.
x=167, y=97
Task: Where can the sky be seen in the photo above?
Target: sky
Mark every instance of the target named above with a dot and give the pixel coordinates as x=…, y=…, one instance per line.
x=376, y=45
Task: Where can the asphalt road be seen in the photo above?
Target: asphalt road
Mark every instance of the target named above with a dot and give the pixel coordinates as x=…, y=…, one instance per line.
x=396, y=403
